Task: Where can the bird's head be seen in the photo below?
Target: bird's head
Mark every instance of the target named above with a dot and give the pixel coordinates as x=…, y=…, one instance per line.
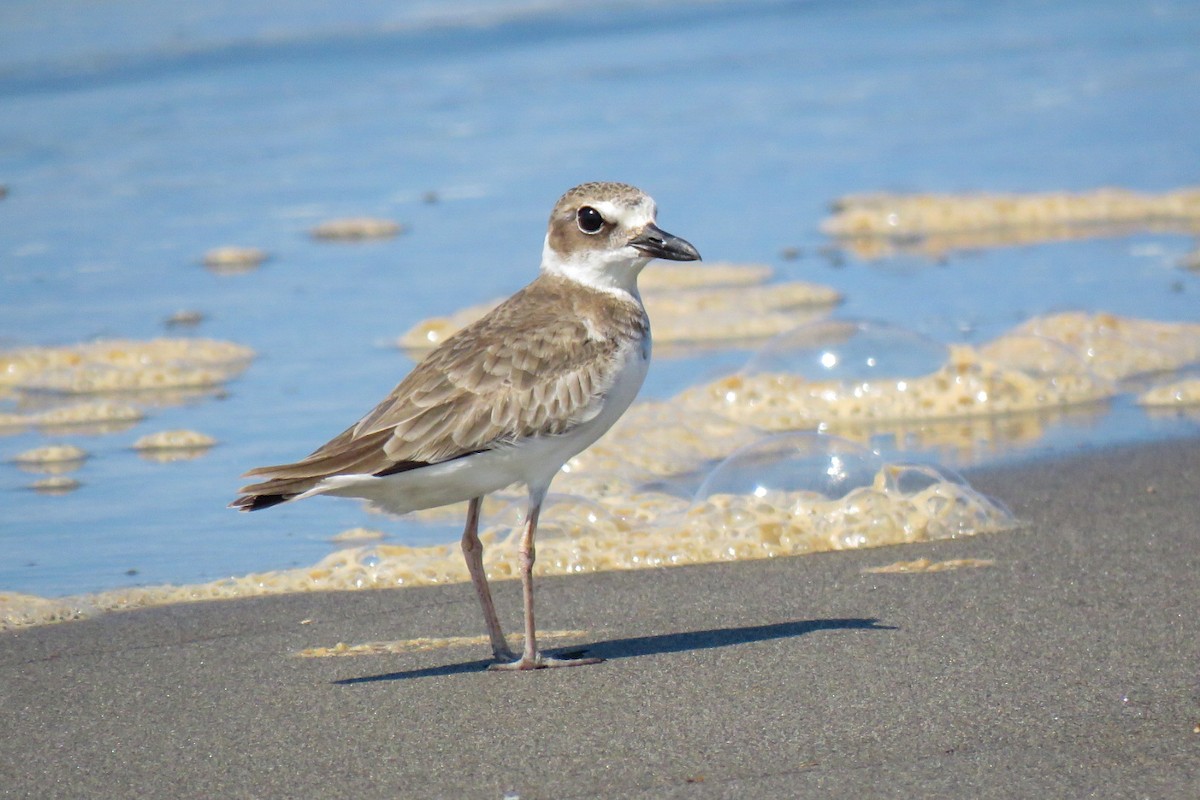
x=602, y=234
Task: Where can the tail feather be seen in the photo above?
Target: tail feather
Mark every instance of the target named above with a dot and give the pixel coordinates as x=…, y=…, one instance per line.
x=253, y=502
x=288, y=481
x=332, y=458
x=272, y=492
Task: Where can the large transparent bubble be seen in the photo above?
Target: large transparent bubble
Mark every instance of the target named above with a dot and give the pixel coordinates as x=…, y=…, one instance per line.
x=849, y=352
x=941, y=504
x=814, y=463
x=803, y=492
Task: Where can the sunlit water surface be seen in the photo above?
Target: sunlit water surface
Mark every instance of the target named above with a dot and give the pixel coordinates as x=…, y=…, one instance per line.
x=135, y=136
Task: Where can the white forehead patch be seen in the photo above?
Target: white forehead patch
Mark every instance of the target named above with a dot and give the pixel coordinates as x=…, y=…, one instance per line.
x=632, y=217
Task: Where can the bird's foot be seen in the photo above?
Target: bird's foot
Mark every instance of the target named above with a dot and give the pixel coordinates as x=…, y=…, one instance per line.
x=540, y=661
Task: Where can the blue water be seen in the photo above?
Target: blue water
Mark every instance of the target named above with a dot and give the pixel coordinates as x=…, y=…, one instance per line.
x=136, y=135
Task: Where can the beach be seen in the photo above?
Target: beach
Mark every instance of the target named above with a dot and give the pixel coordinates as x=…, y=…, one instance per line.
x=1058, y=660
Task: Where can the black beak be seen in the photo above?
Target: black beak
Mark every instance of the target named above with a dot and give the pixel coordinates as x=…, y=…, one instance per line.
x=657, y=243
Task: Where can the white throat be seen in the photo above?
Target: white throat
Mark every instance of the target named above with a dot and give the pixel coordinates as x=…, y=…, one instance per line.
x=611, y=271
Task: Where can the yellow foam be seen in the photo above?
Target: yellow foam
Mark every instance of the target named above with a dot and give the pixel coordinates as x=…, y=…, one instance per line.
x=51, y=454
x=967, y=385
x=167, y=447
x=357, y=535
x=232, y=258
x=121, y=365
x=926, y=565
x=664, y=276
x=654, y=439
x=179, y=439
x=93, y=417
x=55, y=484
x=875, y=225
x=1177, y=393
x=354, y=228
x=18, y=610
x=1112, y=347
x=634, y=531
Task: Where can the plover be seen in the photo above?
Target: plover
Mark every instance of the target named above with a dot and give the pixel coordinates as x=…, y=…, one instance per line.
x=510, y=398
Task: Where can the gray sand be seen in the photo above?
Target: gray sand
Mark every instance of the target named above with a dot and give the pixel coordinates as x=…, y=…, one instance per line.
x=1069, y=668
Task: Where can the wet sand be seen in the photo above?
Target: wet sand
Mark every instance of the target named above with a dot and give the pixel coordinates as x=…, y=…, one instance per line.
x=1067, y=668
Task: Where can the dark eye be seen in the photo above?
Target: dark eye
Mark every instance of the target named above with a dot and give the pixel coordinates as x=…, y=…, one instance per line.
x=589, y=220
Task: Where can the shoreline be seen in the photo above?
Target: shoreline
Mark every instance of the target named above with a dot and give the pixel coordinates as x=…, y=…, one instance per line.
x=1059, y=659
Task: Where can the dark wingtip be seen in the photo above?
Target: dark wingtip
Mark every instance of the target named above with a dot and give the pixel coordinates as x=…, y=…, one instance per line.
x=254, y=502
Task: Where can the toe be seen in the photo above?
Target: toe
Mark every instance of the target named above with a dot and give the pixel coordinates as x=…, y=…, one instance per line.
x=539, y=661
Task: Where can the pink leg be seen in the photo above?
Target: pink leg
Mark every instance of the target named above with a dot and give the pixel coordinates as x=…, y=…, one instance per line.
x=530, y=657
x=473, y=552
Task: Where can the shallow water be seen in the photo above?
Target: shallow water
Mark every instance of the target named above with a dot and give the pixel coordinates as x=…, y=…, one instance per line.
x=136, y=136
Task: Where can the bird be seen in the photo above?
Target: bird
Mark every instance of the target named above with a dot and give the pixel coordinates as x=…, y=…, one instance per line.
x=509, y=398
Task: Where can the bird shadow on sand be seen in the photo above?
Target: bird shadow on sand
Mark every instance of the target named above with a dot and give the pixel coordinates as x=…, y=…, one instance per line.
x=613, y=649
